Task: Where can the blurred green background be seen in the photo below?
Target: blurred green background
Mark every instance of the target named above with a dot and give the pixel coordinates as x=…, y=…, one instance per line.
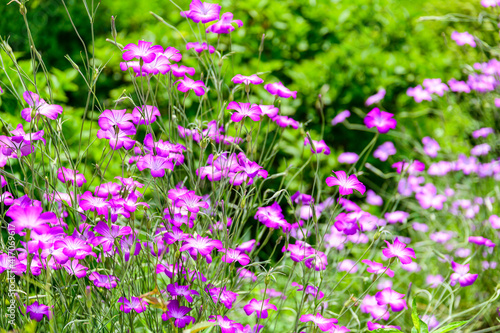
x=343, y=50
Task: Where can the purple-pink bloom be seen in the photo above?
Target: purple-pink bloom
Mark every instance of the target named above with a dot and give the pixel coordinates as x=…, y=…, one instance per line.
x=179, y=313
x=375, y=326
x=201, y=245
x=382, y=120
x=182, y=71
x=103, y=281
x=431, y=147
x=39, y=107
x=341, y=117
x=202, y=12
x=198, y=48
x=94, y=204
x=68, y=175
x=434, y=280
x=145, y=114
x=142, y=50
x=458, y=86
x=375, y=98
x=247, y=80
x=272, y=217
x=119, y=118
x=225, y=24
x=435, y=86
x=187, y=84
x=191, y=202
x=377, y=268
x=243, y=110
x=348, y=158
x=30, y=218
x=118, y=138
x=269, y=110
x=399, y=250
x=278, y=89
x=156, y=164
x=384, y=151
x=463, y=38
x=462, y=275
x=391, y=297
x=73, y=247
x=319, y=146
x=137, y=304
x=373, y=199
x=323, y=324
x=223, y=295
x=284, y=121
x=231, y=255
x=184, y=291
x=37, y=310
x=482, y=132
x=109, y=234
x=346, y=184
x=259, y=307
x=419, y=94
x=480, y=150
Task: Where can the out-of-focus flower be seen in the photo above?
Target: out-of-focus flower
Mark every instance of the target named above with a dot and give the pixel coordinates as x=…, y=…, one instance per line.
x=198, y=48
x=382, y=120
x=419, y=94
x=280, y=90
x=202, y=12
x=431, y=147
x=341, y=117
x=225, y=24
x=461, y=275
x=375, y=98
x=384, y=151
x=463, y=38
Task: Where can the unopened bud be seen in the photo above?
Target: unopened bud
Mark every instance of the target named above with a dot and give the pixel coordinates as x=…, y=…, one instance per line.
x=377, y=235
x=113, y=28
x=261, y=46
x=247, y=88
x=267, y=280
x=22, y=9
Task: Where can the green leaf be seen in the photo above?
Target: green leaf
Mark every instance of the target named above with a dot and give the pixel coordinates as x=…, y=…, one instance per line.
x=200, y=327
x=451, y=326
x=414, y=315
x=423, y=327
x=414, y=330
x=386, y=330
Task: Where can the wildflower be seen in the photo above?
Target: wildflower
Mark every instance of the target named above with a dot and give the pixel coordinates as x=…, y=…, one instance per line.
x=391, y=297
x=201, y=245
x=39, y=107
x=179, y=313
x=431, y=321
x=348, y=158
x=323, y=324
x=202, y=12
x=377, y=268
x=156, y=164
x=74, y=247
x=482, y=132
x=346, y=184
x=284, y=121
x=431, y=147
x=370, y=305
x=495, y=221
x=399, y=250
x=66, y=175
x=103, y=281
x=119, y=118
x=191, y=202
x=269, y=110
x=434, y=280
x=109, y=234
x=223, y=295
x=187, y=84
x=30, y=218
x=278, y=89
x=225, y=24
x=137, y=304
x=118, y=139
x=182, y=71
x=419, y=94
x=412, y=169
x=463, y=38
x=435, y=86
x=489, y=3
x=198, y=48
x=231, y=255
x=482, y=149
x=319, y=146
x=384, y=151
x=478, y=240
x=177, y=290
x=341, y=117
x=427, y=197
x=458, y=86
x=259, y=307
x=373, y=199
x=247, y=80
x=172, y=54
x=375, y=326
x=375, y=98
x=37, y=310
x=145, y=114
x=73, y=267
x=272, y=217
x=244, y=110
x=94, y=204
x=461, y=274
x=382, y=120
x=142, y=50
x=347, y=265
x=226, y=325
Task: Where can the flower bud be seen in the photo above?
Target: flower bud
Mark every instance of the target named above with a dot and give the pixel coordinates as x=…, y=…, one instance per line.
x=377, y=235
x=267, y=280
x=113, y=28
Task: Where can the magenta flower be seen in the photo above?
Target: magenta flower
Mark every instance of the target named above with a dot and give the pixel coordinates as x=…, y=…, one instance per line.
x=201, y=245
x=247, y=80
x=382, y=120
x=202, y=12
x=341, y=117
x=223, y=295
x=198, y=48
x=145, y=115
x=231, y=255
x=142, y=50
x=494, y=221
x=480, y=150
x=119, y=118
x=226, y=325
x=179, y=313
x=107, y=189
x=278, y=89
x=94, y=204
x=346, y=184
x=375, y=326
x=384, y=151
x=73, y=247
x=319, y=146
x=458, y=86
x=68, y=175
x=27, y=138
x=118, y=138
x=225, y=24
x=259, y=307
x=172, y=54
x=187, y=84
x=182, y=71
x=462, y=275
x=431, y=147
x=377, y=268
x=30, y=218
x=348, y=158
x=269, y=110
x=156, y=164
x=391, y=297
x=109, y=235
x=103, y=281
x=482, y=132
x=434, y=280
x=399, y=250
x=435, y=86
x=284, y=121
x=373, y=199
x=177, y=290
x=463, y=38
x=37, y=310
x=191, y=202
x=243, y=110
x=39, y=107
x=137, y=304
x=375, y=98
x=161, y=64
x=427, y=197
x=419, y=94
x=272, y=217
x=412, y=169
x=479, y=240
x=323, y=324
x=370, y=305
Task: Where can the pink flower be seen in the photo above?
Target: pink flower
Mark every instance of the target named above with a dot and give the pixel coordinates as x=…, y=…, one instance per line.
x=280, y=90
x=419, y=94
x=382, y=120
x=137, y=304
x=103, y=281
x=198, y=48
x=68, y=175
x=462, y=275
x=269, y=110
x=225, y=24
x=109, y=234
x=145, y=115
x=39, y=107
x=463, y=38
x=177, y=290
x=459, y=86
x=202, y=12
x=156, y=164
x=187, y=84
x=375, y=98
x=226, y=325
x=323, y=324
x=412, y=169
x=377, y=268
x=191, y=202
x=482, y=132
x=384, y=151
x=142, y=50
x=182, y=71
x=399, y=250
x=201, y=245
x=434, y=280
x=348, y=158
x=179, y=313
x=272, y=217
x=431, y=147
x=341, y=117
x=30, y=218
x=231, y=255
x=172, y=54
x=375, y=326
x=259, y=307
x=37, y=310
x=244, y=110
x=346, y=184
x=119, y=118
x=118, y=138
x=74, y=247
x=370, y=305
x=223, y=295
x=284, y=121
x=391, y=297
x=94, y=204
x=489, y=3
x=435, y=86
x=373, y=199
x=319, y=146
x=347, y=265
x=247, y=80
x=480, y=150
